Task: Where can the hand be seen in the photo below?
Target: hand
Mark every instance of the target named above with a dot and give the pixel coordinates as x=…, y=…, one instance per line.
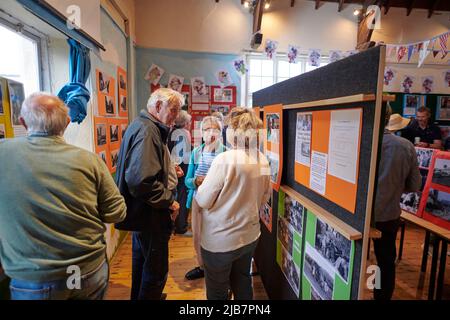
x=199, y=181
x=174, y=208
x=179, y=171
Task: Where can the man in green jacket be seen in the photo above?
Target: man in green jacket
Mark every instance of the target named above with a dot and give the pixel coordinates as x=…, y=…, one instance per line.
x=54, y=202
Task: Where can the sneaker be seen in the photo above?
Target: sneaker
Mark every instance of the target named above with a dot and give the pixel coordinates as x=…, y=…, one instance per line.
x=195, y=273
x=186, y=234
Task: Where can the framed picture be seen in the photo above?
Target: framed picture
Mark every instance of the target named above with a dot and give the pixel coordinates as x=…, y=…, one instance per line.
x=411, y=102
x=225, y=95
x=443, y=108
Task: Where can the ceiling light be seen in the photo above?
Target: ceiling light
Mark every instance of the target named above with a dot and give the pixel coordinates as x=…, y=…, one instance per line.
x=246, y=4
x=267, y=5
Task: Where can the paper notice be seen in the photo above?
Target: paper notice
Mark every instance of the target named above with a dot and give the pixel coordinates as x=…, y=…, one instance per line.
x=318, y=178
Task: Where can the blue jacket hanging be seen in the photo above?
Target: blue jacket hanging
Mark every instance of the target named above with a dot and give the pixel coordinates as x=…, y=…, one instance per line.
x=75, y=94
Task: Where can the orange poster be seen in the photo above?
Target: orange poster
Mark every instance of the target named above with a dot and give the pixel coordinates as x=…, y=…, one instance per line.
x=123, y=92
x=101, y=139
x=273, y=125
x=327, y=153
x=106, y=94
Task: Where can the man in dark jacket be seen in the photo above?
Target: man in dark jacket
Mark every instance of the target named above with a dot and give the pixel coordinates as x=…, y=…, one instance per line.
x=143, y=179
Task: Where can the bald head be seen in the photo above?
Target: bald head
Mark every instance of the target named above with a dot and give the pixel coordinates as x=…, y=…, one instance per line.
x=44, y=113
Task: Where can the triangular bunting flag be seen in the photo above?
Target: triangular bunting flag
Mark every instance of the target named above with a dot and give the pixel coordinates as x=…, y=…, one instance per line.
x=423, y=53
x=410, y=51
x=401, y=53
x=435, y=53
x=389, y=50
x=443, y=43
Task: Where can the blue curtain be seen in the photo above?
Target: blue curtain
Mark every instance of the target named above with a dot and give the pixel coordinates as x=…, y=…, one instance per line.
x=75, y=94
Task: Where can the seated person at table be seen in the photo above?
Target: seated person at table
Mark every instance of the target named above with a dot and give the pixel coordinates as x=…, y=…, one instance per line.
x=421, y=132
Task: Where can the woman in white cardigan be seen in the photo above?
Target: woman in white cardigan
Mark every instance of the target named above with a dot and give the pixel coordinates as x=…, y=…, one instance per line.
x=236, y=186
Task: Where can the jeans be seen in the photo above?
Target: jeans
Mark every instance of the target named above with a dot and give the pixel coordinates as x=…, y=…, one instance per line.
x=229, y=270
x=181, y=223
x=150, y=265
x=93, y=287
x=385, y=252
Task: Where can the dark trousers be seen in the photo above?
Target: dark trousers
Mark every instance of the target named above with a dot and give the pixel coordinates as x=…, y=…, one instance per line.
x=181, y=223
x=150, y=265
x=229, y=270
x=386, y=253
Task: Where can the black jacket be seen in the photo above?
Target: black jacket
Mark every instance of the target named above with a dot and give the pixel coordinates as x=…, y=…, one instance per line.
x=142, y=176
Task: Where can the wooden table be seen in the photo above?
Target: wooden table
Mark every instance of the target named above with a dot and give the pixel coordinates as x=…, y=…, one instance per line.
x=442, y=236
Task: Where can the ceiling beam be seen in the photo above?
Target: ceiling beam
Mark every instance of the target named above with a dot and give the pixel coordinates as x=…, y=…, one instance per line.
x=317, y=4
x=341, y=5
x=410, y=7
x=433, y=6
x=292, y=3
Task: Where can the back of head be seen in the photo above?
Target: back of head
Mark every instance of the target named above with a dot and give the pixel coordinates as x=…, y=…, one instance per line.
x=183, y=119
x=44, y=113
x=243, y=128
x=218, y=115
x=166, y=96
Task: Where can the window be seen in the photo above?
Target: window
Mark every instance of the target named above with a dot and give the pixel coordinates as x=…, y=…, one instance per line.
x=20, y=58
x=264, y=72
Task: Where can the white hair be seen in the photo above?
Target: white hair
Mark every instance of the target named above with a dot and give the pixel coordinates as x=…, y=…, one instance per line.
x=44, y=113
x=211, y=119
x=183, y=118
x=165, y=95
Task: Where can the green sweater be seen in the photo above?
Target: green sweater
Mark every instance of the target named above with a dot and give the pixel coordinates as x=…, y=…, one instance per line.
x=54, y=201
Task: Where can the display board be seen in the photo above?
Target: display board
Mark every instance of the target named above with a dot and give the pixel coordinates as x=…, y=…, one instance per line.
x=273, y=142
x=332, y=131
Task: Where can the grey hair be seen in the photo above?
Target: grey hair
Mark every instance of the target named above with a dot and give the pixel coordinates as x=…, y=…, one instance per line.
x=213, y=120
x=165, y=95
x=183, y=118
x=44, y=113
x=218, y=115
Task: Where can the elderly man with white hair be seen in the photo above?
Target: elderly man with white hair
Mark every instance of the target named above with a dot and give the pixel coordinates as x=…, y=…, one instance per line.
x=55, y=199
x=145, y=178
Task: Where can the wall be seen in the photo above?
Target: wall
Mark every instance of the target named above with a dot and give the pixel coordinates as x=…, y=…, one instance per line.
x=183, y=63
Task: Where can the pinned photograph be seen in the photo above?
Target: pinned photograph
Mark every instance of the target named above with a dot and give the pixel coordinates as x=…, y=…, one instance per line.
x=303, y=138
x=427, y=84
x=225, y=110
x=265, y=213
x=270, y=48
x=114, y=158
x=2, y=131
x=104, y=83
x=411, y=103
x=123, y=103
x=438, y=204
x=122, y=82
x=318, y=276
x=315, y=295
x=335, y=55
x=292, y=53
x=274, y=163
x=424, y=156
x=16, y=98
x=240, y=67
x=314, y=57
x=102, y=156
x=407, y=84
x=114, y=132
x=389, y=75
x=109, y=105
x=290, y=270
x=224, y=78
x=293, y=213
x=447, y=79
x=443, y=108
x=223, y=95
x=334, y=247
x=441, y=172
x=175, y=83
x=101, y=134
x=285, y=234
x=154, y=74
x=187, y=100
x=273, y=127
x=410, y=201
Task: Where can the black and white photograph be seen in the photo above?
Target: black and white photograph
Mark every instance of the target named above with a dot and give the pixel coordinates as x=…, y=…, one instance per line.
x=438, y=204
x=2, y=131
x=293, y=213
x=290, y=271
x=424, y=157
x=102, y=156
x=410, y=201
x=303, y=138
x=441, y=172
x=334, y=247
x=109, y=105
x=123, y=129
x=273, y=127
x=265, y=213
x=187, y=100
x=16, y=98
x=443, y=108
x=104, y=83
x=114, y=158
x=114, y=132
x=101, y=134
x=274, y=165
x=122, y=82
x=315, y=295
x=285, y=234
x=318, y=277
x=123, y=103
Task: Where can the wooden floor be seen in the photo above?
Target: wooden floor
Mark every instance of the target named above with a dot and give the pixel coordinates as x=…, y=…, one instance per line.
x=182, y=259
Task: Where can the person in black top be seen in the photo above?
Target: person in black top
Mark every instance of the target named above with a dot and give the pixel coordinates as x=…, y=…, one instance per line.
x=421, y=132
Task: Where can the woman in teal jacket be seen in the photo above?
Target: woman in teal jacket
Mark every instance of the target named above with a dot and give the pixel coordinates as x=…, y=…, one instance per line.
x=199, y=164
